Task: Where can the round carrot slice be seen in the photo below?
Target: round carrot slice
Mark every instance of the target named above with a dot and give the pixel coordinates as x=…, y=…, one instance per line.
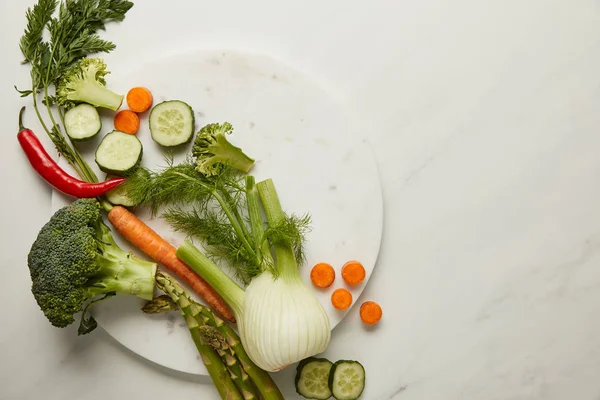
x=322, y=275
x=370, y=312
x=341, y=298
x=139, y=99
x=127, y=121
x=353, y=273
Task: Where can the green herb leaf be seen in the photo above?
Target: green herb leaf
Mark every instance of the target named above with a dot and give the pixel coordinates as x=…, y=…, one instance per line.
x=293, y=230
x=37, y=18
x=218, y=237
x=23, y=93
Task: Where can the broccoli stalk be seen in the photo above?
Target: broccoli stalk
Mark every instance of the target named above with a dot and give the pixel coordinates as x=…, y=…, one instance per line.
x=75, y=260
x=84, y=83
x=213, y=151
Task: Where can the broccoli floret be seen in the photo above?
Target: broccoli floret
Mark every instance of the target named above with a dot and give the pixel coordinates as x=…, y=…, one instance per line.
x=75, y=260
x=213, y=151
x=84, y=83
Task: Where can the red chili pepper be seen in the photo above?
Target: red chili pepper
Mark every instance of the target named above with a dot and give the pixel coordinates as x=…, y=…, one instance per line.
x=52, y=173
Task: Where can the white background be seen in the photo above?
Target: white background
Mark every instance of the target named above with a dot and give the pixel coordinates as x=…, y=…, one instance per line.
x=487, y=130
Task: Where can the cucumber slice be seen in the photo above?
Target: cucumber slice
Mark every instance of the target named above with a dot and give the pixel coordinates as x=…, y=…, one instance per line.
x=82, y=122
x=312, y=378
x=172, y=123
x=119, y=153
x=118, y=196
x=347, y=380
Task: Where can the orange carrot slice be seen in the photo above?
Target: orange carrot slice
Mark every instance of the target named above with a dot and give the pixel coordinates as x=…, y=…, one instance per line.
x=139, y=99
x=370, y=312
x=353, y=273
x=322, y=275
x=127, y=121
x=341, y=298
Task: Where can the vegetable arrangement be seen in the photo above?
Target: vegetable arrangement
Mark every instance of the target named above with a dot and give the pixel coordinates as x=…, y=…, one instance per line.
x=212, y=196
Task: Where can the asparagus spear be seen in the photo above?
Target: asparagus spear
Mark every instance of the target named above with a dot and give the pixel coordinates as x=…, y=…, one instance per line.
x=215, y=339
x=160, y=304
x=215, y=366
x=261, y=378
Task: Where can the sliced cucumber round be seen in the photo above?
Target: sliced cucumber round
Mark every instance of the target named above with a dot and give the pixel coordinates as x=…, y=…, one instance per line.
x=312, y=378
x=119, y=153
x=82, y=122
x=347, y=380
x=118, y=196
x=172, y=123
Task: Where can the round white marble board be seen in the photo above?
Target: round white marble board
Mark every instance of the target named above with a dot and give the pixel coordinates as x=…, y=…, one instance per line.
x=301, y=138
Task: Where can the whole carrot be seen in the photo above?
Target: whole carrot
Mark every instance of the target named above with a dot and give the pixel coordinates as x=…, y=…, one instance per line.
x=154, y=246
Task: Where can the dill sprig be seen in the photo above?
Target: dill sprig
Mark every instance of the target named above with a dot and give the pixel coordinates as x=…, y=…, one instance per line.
x=218, y=238
x=72, y=28
x=174, y=185
x=181, y=184
x=293, y=230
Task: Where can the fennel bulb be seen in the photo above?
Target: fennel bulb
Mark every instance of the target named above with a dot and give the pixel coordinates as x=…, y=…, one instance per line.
x=279, y=318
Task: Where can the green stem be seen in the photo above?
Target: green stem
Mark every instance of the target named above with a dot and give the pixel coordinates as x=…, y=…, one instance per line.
x=21, y=126
x=34, y=90
x=213, y=362
x=256, y=223
x=284, y=254
x=45, y=127
x=261, y=378
x=237, y=227
x=226, y=287
x=234, y=209
x=105, y=204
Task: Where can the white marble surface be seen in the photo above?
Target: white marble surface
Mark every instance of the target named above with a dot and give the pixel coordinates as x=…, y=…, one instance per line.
x=486, y=125
x=300, y=138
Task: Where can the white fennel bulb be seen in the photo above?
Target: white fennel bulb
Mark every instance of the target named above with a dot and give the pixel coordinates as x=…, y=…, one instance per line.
x=282, y=322
x=279, y=318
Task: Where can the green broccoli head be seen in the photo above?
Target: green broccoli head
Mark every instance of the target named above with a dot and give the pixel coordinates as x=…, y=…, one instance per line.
x=213, y=151
x=84, y=83
x=75, y=259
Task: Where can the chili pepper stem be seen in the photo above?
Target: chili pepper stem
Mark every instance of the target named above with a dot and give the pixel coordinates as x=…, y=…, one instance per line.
x=21, y=112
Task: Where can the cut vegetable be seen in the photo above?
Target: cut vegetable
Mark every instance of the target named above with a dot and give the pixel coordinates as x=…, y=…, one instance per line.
x=139, y=99
x=353, y=273
x=347, y=380
x=341, y=298
x=119, y=153
x=127, y=121
x=82, y=122
x=118, y=196
x=154, y=246
x=172, y=123
x=312, y=378
x=370, y=312
x=322, y=275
